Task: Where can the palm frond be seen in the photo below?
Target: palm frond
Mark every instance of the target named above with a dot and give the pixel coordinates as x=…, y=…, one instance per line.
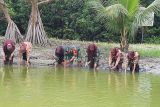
x=112, y=11
x=143, y=14
x=132, y=7
x=153, y=7
x=137, y=20
x=99, y=8
x=111, y=15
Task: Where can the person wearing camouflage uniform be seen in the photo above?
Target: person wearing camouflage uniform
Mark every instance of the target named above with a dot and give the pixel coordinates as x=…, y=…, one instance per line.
x=67, y=55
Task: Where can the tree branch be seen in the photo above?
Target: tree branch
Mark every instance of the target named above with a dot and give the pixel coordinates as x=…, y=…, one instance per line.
x=44, y=1
x=2, y=4
x=1, y=18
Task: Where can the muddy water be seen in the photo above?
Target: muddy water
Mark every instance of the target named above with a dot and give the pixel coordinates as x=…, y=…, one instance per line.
x=49, y=87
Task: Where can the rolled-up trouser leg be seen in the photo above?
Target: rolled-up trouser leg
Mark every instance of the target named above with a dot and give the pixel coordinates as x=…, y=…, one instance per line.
x=137, y=68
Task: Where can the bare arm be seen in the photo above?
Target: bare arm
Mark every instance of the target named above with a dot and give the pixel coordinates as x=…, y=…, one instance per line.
x=136, y=61
x=117, y=61
x=28, y=48
x=20, y=57
x=72, y=59
x=126, y=63
x=87, y=63
x=54, y=59
x=11, y=55
x=28, y=56
x=110, y=60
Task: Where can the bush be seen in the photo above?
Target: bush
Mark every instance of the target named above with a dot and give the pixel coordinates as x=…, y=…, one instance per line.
x=152, y=40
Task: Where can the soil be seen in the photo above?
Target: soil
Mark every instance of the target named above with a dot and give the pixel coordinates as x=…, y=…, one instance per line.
x=43, y=56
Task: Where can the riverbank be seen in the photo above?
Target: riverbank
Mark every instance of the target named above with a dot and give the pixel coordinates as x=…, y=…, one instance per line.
x=43, y=56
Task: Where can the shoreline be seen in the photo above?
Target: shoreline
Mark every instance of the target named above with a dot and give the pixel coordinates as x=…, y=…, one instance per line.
x=43, y=57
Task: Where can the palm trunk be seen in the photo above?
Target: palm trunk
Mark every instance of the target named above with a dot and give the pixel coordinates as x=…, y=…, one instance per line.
x=12, y=31
x=124, y=41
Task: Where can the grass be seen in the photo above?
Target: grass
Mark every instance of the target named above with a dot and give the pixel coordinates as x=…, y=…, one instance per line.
x=145, y=50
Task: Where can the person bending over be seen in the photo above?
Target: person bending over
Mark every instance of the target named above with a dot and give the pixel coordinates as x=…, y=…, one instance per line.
x=67, y=55
x=115, y=59
x=24, y=52
x=59, y=55
x=132, y=61
x=8, y=51
x=93, y=55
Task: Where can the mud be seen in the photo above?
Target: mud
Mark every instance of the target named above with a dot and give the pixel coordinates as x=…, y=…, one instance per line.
x=43, y=56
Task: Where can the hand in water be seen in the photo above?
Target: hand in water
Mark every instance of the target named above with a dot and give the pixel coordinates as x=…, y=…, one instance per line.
x=87, y=63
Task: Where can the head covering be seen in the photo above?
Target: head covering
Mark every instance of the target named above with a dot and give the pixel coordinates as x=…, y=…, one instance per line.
x=9, y=46
x=131, y=54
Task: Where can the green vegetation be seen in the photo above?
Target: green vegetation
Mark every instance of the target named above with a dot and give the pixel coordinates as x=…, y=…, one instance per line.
x=72, y=19
x=145, y=50
x=124, y=17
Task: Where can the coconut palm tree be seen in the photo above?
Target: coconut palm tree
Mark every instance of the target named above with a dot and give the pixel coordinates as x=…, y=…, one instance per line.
x=124, y=16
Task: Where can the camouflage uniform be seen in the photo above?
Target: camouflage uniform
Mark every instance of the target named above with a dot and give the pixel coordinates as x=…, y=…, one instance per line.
x=68, y=54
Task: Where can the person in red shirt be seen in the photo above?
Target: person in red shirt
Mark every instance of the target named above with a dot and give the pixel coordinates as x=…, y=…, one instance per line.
x=8, y=51
x=115, y=59
x=132, y=61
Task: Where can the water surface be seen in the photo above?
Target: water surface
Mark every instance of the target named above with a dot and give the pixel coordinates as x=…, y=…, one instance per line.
x=73, y=87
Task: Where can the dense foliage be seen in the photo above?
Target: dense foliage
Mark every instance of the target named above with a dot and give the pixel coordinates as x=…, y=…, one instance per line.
x=72, y=19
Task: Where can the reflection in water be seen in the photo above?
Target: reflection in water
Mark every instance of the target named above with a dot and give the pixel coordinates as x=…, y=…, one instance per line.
x=25, y=76
x=73, y=87
x=155, y=91
x=6, y=75
x=24, y=71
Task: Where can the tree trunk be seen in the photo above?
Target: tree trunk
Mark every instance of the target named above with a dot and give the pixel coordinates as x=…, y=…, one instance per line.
x=124, y=41
x=36, y=33
x=12, y=31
